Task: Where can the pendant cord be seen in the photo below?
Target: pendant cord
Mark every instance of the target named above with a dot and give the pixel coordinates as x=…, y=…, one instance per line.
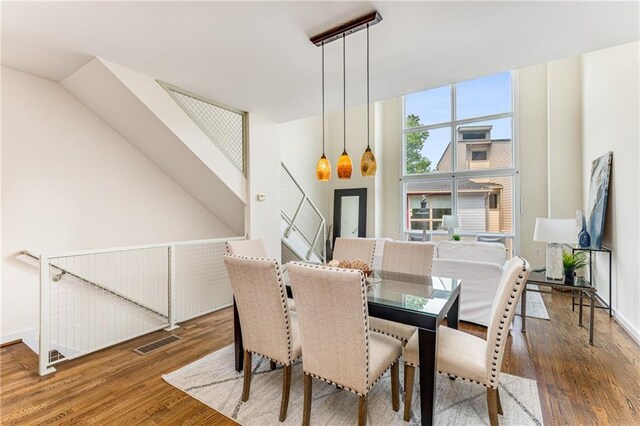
x=368, y=114
x=344, y=93
x=323, y=99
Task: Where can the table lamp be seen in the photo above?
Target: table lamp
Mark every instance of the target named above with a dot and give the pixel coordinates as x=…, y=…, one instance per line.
x=450, y=222
x=555, y=232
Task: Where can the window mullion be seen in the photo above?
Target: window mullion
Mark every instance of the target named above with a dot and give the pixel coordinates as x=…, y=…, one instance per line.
x=454, y=152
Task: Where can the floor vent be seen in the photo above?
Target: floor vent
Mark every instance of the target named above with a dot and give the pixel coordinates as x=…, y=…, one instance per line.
x=150, y=347
x=55, y=355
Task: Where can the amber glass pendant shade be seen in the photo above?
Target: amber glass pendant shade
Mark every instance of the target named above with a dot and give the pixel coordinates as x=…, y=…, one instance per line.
x=368, y=164
x=323, y=169
x=345, y=167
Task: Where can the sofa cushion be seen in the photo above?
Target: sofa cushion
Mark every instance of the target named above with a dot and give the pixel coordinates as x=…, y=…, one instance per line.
x=472, y=250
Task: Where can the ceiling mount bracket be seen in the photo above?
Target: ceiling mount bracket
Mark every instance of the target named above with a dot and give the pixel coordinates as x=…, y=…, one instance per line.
x=347, y=28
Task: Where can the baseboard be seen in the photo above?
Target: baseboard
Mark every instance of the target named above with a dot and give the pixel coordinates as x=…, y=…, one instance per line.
x=10, y=342
x=631, y=331
x=29, y=337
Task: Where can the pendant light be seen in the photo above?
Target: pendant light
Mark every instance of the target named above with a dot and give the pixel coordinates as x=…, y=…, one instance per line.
x=323, y=168
x=345, y=166
x=368, y=162
x=368, y=165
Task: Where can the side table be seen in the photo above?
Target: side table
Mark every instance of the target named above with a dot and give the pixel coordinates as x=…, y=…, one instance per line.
x=592, y=253
x=581, y=289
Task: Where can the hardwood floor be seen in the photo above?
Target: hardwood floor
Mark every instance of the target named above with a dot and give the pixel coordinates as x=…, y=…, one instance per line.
x=578, y=384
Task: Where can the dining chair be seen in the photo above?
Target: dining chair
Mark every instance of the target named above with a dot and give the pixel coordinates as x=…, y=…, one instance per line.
x=253, y=248
x=337, y=346
x=462, y=355
x=414, y=258
x=269, y=329
x=248, y=248
x=355, y=248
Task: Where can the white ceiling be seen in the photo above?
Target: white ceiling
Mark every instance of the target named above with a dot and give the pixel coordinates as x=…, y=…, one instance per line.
x=256, y=56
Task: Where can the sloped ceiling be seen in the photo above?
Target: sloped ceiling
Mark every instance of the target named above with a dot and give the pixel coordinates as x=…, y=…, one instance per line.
x=256, y=56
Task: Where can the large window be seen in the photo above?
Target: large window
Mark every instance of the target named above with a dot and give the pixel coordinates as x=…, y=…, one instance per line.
x=458, y=158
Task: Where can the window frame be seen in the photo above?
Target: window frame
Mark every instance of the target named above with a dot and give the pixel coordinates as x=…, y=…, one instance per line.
x=455, y=175
x=484, y=151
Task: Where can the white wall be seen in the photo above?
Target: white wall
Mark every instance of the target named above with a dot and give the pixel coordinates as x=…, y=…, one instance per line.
x=70, y=182
x=531, y=134
x=300, y=149
x=391, y=138
x=264, y=178
x=610, y=122
x=564, y=137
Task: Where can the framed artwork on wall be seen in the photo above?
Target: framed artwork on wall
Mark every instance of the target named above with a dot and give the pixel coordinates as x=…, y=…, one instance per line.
x=598, y=192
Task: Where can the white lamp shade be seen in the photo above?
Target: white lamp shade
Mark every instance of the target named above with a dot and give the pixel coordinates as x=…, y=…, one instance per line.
x=555, y=230
x=450, y=221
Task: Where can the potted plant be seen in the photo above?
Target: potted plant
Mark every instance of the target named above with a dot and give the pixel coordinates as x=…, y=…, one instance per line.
x=571, y=262
x=456, y=237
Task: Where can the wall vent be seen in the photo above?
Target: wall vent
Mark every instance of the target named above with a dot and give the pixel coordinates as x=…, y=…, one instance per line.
x=150, y=347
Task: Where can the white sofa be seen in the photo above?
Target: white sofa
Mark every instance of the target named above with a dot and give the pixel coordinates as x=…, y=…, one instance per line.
x=479, y=266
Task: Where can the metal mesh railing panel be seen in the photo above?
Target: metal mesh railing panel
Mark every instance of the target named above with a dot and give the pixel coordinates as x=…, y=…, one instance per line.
x=308, y=222
x=202, y=284
x=98, y=300
x=222, y=126
x=288, y=255
x=291, y=194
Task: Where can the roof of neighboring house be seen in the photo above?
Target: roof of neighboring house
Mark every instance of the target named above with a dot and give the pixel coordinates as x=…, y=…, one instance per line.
x=444, y=186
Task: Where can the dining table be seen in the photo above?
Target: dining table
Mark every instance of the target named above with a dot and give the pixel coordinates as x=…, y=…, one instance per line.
x=417, y=300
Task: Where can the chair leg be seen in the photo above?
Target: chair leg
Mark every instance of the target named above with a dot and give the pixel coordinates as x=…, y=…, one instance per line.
x=492, y=402
x=306, y=411
x=362, y=410
x=246, y=386
x=395, y=386
x=273, y=365
x=409, y=374
x=286, y=387
x=499, y=402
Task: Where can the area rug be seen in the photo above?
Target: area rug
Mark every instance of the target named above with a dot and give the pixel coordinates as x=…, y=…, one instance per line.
x=535, y=305
x=213, y=381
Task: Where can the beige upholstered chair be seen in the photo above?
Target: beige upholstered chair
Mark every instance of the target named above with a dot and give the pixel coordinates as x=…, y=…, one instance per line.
x=269, y=329
x=469, y=357
x=253, y=248
x=249, y=248
x=355, y=248
x=413, y=258
x=338, y=347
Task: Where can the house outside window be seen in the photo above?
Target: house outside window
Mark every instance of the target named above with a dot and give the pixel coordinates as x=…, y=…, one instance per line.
x=458, y=158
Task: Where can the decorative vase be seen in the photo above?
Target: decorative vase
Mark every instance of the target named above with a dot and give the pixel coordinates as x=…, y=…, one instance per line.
x=584, y=239
x=569, y=276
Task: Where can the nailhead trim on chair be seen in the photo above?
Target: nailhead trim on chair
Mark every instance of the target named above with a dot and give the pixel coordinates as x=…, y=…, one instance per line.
x=386, y=333
x=274, y=360
x=373, y=253
x=285, y=306
x=363, y=285
x=494, y=369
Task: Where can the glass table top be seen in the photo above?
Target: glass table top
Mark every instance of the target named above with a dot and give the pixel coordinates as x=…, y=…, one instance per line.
x=424, y=294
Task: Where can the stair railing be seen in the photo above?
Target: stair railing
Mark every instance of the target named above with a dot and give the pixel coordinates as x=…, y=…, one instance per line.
x=306, y=231
x=93, y=299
